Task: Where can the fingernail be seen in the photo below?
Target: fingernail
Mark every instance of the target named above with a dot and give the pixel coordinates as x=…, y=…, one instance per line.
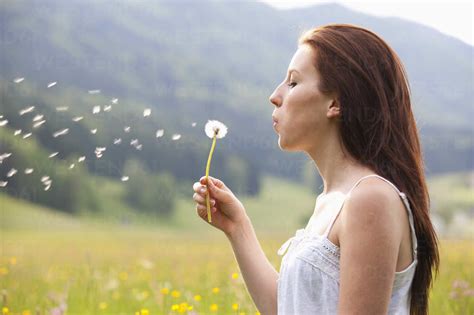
x=203, y=189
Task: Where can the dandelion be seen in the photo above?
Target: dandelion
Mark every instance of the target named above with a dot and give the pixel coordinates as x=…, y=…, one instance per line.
x=93, y=91
x=165, y=291
x=214, y=307
x=235, y=275
x=175, y=293
x=215, y=130
x=51, y=84
x=146, y=112
x=5, y=310
x=60, y=132
x=144, y=311
x=197, y=297
x=26, y=110
x=102, y=305
x=235, y=306
x=18, y=80
x=215, y=290
x=159, y=133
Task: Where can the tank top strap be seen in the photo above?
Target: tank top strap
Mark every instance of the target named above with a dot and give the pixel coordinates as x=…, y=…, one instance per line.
x=405, y=202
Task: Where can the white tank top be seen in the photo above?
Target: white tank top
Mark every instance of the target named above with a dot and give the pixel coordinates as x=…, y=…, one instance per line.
x=308, y=281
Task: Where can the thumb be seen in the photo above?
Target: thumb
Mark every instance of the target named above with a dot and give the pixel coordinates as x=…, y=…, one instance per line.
x=216, y=191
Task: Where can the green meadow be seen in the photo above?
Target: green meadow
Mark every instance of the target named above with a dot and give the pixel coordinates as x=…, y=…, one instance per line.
x=119, y=262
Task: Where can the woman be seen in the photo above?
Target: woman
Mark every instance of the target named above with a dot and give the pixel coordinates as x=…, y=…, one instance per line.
x=369, y=247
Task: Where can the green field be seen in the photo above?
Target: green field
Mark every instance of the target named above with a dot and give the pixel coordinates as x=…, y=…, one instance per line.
x=92, y=265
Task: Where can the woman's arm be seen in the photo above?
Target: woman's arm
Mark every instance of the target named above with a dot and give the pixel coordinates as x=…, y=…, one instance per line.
x=259, y=275
x=369, y=238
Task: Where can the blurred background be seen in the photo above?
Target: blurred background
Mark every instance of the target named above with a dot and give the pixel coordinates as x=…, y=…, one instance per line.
x=103, y=107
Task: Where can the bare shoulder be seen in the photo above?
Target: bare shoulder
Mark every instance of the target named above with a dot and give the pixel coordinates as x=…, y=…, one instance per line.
x=375, y=206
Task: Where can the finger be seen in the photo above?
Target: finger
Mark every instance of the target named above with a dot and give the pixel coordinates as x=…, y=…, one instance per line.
x=198, y=198
x=200, y=189
x=215, y=181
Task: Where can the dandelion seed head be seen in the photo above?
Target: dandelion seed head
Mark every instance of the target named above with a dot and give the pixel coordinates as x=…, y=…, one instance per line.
x=215, y=128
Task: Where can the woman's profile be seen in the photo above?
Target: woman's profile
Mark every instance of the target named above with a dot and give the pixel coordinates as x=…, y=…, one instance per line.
x=370, y=246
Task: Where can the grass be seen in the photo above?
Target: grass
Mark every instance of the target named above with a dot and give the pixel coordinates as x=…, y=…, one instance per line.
x=92, y=265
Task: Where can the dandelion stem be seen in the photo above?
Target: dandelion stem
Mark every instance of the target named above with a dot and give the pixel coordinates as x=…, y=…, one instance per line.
x=208, y=166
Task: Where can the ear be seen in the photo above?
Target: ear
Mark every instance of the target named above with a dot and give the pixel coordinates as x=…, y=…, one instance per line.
x=334, y=109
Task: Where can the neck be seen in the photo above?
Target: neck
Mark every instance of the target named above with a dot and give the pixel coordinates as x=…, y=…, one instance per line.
x=338, y=171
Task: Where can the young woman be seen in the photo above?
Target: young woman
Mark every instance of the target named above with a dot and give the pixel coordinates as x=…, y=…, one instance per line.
x=369, y=247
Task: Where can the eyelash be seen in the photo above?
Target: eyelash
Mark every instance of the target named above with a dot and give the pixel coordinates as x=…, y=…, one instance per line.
x=291, y=84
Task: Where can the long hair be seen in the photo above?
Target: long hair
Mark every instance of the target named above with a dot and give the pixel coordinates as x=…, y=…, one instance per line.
x=378, y=127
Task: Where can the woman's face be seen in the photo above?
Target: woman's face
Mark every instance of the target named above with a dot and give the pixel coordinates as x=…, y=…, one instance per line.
x=301, y=110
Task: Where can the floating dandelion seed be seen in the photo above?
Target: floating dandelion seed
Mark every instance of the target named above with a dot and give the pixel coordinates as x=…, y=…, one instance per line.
x=159, y=133
x=62, y=108
x=51, y=84
x=44, y=178
x=176, y=136
x=12, y=172
x=139, y=147
x=53, y=154
x=215, y=130
x=193, y=124
x=71, y=166
x=38, y=117
x=26, y=135
x=81, y=159
x=146, y=112
x=96, y=110
x=134, y=142
x=114, y=100
x=126, y=129
x=47, y=187
x=26, y=110
x=60, y=132
x=107, y=108
x=98, y=151
x=18, y=80
x=39, y=123
x=117, y=141
x=94, y=131
x=4, y=156
x=77, y=118
x=93, y=91
x=3, y=122
x=17, y=132
x=28, y=170
x=3, y=184
x=124, y=178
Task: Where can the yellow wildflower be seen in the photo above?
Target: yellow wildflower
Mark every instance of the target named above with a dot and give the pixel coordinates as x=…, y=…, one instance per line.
x=215, y=290
x=26, y=312
x=235, y=275
x=175, y=293
x=235, y=306
x=174, y=307
x=5, y=310
x=197, y=298
x=13, y=261
x=214, y=307
x=165, y=291
x=144, y=311
x=102, y=305
x=123, y=276
x=3, y=271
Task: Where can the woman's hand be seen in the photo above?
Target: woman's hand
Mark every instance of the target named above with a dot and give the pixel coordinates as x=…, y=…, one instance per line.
x=227, y=212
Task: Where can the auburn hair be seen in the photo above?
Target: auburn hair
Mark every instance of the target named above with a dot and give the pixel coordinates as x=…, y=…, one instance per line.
x=378, y=127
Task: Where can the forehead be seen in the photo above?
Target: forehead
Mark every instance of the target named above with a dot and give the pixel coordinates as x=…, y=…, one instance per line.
x=303, y=60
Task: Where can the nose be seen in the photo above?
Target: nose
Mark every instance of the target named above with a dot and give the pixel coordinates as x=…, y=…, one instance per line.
x=275, y=98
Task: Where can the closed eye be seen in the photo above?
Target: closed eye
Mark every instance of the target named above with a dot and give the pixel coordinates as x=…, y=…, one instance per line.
x=292, y=84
